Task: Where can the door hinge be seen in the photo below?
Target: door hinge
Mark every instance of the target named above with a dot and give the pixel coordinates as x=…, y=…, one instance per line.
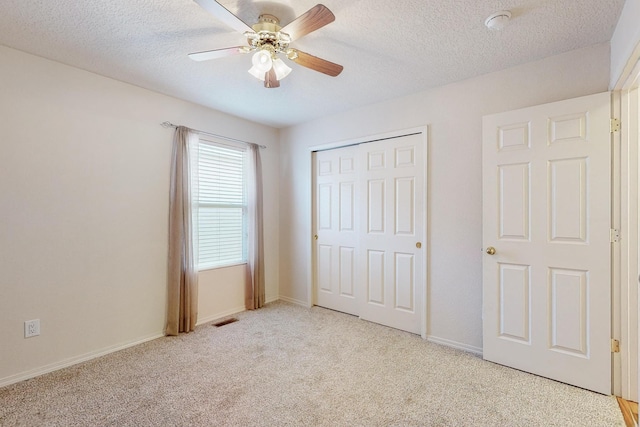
x=615, y=125
x=615, y=346
x=614, y=235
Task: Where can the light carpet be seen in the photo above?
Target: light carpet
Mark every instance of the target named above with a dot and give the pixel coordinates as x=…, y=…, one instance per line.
x=286, y=365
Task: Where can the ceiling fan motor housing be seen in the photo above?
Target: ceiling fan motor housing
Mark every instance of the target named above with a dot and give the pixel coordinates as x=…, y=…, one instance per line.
x=267, y=35
x=265, y=18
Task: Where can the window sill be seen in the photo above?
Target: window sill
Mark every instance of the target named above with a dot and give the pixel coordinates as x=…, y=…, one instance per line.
x=217, y=267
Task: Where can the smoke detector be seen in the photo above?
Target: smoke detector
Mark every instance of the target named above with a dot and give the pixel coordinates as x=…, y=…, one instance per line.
x=498, y=20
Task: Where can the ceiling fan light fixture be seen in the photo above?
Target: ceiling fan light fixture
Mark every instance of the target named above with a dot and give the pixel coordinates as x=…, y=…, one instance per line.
x=257, y=73
x=262, y=61
x=282, y=70
x=266, y=61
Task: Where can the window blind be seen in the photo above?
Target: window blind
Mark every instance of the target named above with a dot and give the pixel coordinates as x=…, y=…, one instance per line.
x=221, y=205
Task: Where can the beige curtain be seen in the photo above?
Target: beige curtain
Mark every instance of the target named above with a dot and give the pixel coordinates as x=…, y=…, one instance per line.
x=254, y=292
x=182, y=277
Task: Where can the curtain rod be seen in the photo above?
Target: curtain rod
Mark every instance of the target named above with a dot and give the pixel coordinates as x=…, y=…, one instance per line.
x=171, y=125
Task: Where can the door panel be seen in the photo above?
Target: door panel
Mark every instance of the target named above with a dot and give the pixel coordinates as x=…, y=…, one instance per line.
x=568, y=200
x=404, y=282
x=325, y=275
x=404, y=210
x=515, y=300
x=547, y=198
x=347, y=266
x=376, y=206
x=375, y=277
x=324, y=206
x=568, y=314
x=514, y=192
x=347, y=206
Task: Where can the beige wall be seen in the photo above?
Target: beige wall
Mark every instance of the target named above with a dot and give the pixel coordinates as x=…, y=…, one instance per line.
x=221, y=292
x=454, y=116
x=84, y=181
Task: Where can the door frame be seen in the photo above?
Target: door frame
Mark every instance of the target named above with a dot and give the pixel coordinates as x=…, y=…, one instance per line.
x=424, y=131
x=626, y=262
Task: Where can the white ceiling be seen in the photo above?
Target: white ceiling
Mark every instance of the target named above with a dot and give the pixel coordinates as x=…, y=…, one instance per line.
x=388, y=48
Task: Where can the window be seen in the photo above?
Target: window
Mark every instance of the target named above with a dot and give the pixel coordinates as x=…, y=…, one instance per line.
x=222, y=205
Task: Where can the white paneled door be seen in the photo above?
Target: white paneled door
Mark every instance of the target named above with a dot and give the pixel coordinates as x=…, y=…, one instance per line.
x=392, y=230
x=547, y=261
x=336, y=249
x=369, y=214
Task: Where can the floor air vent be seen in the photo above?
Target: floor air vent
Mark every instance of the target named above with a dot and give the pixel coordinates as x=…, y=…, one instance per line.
x=225, y=322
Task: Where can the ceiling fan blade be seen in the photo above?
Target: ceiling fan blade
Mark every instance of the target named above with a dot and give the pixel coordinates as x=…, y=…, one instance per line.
x=314, y=63
x=224, y=15
x=218, y=53
x=316, y=17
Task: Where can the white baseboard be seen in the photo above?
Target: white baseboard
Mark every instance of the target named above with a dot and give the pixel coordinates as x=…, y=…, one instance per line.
x=12, y=379
x=220, y=315
x=455, y=344
x=271, y=299
x=294, y=301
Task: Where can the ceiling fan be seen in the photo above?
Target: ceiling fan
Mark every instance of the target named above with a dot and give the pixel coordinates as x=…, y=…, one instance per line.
x=267, y=39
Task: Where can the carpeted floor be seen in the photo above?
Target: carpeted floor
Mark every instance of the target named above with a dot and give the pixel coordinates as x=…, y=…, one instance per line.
x=286, y=365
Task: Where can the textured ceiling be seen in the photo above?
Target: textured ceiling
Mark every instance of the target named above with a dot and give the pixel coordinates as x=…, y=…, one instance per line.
x=388, y=48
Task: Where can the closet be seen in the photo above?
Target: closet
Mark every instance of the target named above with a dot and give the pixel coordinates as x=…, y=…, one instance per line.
x=369, y=231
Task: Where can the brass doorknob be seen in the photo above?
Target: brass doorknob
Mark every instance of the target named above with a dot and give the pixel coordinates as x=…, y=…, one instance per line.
x=418, y=245
x=315, y=237
x=491, y=250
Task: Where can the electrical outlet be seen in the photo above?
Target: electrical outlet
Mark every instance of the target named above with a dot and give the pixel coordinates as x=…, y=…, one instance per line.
x=31, y=328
